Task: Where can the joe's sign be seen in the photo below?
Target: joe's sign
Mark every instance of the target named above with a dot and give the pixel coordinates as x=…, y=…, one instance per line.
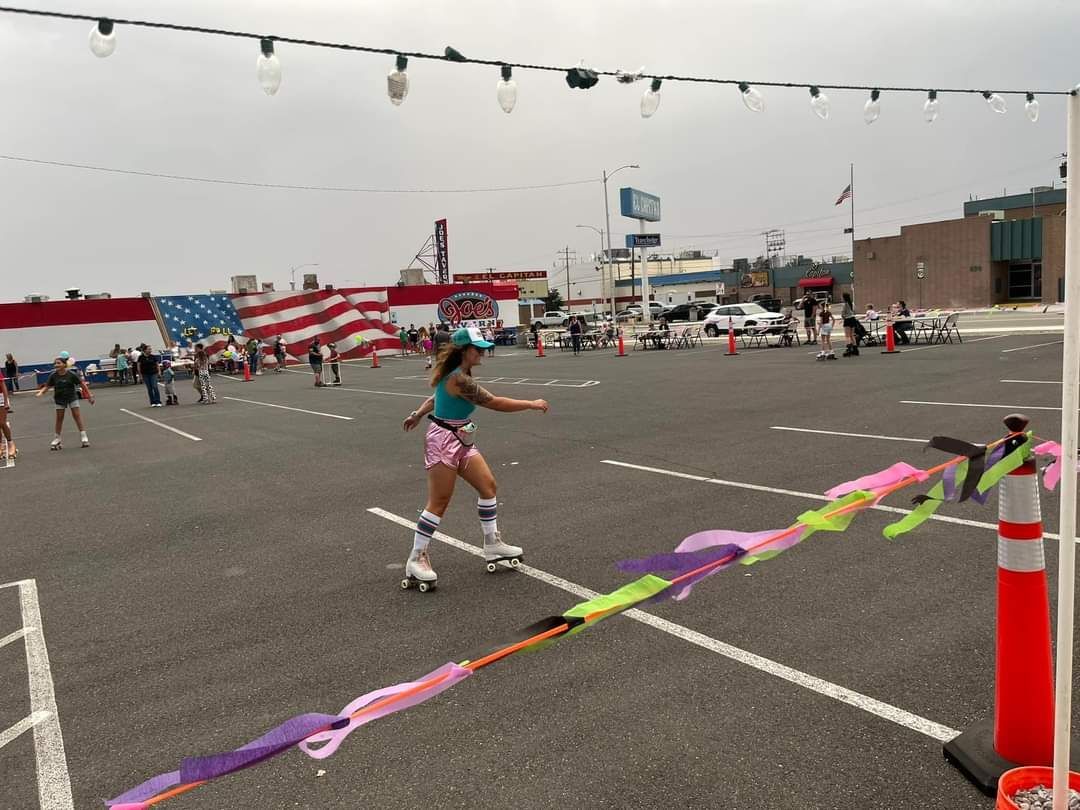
x=468, y=305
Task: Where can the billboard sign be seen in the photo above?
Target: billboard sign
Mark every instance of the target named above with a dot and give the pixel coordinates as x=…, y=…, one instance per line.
x=642, y=240
x=502, y=275
x=442, y=255
x=468, y=305
x=638, y=204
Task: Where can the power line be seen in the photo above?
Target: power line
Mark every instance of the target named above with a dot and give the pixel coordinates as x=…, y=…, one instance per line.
x=287, y=186
x=453, y=56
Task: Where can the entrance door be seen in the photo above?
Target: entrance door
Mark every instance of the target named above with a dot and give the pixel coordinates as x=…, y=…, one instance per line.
x=1025, y=281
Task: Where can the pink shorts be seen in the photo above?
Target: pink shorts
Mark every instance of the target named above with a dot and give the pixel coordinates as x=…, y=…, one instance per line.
x=441, y=446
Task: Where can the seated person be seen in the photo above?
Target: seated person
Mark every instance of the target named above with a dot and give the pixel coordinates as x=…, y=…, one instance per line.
x=662, y=333
x=871, y=313
x=902, y=325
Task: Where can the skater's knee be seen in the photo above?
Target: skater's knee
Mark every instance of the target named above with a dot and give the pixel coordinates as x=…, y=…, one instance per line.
x=487, y=489
x=437, y=505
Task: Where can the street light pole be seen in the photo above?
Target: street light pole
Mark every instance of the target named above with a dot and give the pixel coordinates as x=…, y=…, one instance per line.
x=603, y=281
x=607, y=219
x=292, y=272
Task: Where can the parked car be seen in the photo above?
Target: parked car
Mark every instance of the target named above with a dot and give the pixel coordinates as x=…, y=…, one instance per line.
x=590, y=320
x=681, y=312
x=632, y=312
x=768, y=302
x=742, y=316
x=551, y=319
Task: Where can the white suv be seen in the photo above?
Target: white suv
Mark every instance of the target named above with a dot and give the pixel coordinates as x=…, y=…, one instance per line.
x=741, y=316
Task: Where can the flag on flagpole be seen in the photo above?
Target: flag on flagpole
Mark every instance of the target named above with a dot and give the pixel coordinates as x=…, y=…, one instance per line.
x=846, y=195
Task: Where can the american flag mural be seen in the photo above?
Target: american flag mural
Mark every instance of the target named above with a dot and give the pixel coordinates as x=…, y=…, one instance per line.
x=358, y=321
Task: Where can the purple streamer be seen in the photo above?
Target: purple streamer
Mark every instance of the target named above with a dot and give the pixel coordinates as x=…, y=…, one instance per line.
x=288, y=734
x=151, y=787
x=677, y=563
x=718, y=537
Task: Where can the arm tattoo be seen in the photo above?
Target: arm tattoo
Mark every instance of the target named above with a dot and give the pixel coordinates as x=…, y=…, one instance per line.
x=469, y=390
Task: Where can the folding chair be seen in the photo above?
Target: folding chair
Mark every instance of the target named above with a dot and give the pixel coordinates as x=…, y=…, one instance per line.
x=948, y=329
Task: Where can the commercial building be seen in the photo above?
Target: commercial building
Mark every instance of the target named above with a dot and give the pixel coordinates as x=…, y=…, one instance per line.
x=1004, y=250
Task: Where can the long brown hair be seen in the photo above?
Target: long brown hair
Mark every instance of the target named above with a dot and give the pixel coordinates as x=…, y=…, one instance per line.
x=448, y=359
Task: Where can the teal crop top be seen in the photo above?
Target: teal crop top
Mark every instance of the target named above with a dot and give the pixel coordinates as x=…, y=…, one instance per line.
x=448, y=406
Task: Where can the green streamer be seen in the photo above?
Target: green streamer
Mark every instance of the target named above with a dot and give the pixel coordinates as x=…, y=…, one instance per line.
x=919, y=515
x=991, y=477
x=818, y=520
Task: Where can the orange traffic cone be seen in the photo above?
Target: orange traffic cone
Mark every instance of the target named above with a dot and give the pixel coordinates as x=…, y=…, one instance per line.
x=1022, y=731
x=375, y=358
x=730, y=340
x=539, y=346
x=622, y=346
x=247, y=370
x=890, y=340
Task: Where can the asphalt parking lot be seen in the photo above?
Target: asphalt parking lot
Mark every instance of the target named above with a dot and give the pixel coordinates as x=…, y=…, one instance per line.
x=196, y=588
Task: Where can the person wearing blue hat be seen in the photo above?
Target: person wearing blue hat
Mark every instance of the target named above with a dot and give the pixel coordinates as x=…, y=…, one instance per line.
x=450, y=451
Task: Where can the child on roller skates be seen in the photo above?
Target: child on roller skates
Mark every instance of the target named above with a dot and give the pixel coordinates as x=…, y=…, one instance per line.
x=66, y=385
x=825, y=332
x=169, y=377
x=333, y=361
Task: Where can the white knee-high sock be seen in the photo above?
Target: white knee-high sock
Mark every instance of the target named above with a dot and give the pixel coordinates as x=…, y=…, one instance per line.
x=487, y=509
x=426, y=526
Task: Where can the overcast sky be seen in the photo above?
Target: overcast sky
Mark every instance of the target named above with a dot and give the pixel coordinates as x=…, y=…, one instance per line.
x=190, y=104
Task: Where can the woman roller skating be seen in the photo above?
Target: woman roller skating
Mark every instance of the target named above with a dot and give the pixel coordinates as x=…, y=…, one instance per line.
x=449, y=451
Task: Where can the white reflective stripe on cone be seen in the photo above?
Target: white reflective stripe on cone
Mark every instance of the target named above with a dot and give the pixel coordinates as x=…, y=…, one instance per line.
x=1018, y=499
x=1022, y=556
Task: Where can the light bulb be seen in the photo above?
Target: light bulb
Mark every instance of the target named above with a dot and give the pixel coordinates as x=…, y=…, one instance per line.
x=872, y=109
x=932, y=107
x=268, y=68
x=996, y=102
x=753, y=100
x=102, y=39
x=1032, y=108
x=819, y=103
x=506, y=90
x=397, y=82
x=650, y=101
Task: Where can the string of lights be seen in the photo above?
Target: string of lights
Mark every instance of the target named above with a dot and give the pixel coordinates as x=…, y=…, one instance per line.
x=268, y=71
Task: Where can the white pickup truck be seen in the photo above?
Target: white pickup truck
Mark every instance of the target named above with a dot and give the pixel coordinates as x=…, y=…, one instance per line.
x=551, y=319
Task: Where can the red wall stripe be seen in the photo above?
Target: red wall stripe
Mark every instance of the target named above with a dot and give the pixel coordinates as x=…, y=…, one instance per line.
x=68, y=313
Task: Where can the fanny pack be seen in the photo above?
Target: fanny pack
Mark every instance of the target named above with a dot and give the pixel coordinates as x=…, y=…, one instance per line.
x=466, y=434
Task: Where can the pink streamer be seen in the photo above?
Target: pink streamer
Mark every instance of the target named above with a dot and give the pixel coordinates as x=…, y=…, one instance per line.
x=1052, y=474
x=334, y=737
x=886, y=478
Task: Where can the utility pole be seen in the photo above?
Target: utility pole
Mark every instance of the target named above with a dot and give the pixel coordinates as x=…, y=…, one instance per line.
x=566, y=254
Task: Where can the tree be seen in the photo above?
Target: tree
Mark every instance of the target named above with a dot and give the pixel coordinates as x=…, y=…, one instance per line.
x=553, y=302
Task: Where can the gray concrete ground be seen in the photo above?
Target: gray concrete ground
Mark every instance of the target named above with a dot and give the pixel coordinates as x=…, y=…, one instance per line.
x=195, y=593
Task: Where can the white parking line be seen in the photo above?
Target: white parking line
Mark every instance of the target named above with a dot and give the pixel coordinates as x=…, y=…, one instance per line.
x=978, y=524
x=162, y=425
x=54, y=784
x=868, y=704
x=851, y=435
x=1033, y=382
x=1035, y=346
x=383, y=393
x=25, y=724
x=227, y=377
x=558, y=383
x=10, y=637
x=288, y=408
x=982, y=405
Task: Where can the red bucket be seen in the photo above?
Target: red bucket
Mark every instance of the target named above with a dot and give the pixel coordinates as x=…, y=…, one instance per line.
x=1027, y=777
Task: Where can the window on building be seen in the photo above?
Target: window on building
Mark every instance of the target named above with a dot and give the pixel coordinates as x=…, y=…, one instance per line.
x=1025, y=281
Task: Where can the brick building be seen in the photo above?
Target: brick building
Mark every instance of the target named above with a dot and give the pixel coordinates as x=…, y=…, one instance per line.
x=1004, y=250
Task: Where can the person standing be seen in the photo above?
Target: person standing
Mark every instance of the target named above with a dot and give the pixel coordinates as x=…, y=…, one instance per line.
x=809, y=309
x=314, y=357
x=169, y=376
x=414, y=338
x=334, y=359
x=207, y=395
x=279, y=354
x=253, y=355
x=133, y=362
x=148, y=368
x=5, y=428
x=825, y=329
x=66, y=386
x=403, y=336
x=850, y=324
x=450, y=451
x=575, y=335
x=439, y=341
x=11, y=371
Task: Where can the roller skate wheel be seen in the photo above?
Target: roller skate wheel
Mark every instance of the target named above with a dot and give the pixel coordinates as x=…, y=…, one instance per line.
x=424, y=587
x=492, y=567
x=514, y=563
x=404, y=584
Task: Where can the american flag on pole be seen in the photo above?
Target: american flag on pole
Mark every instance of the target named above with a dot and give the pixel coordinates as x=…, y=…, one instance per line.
x=846, y=195
x=357, y=321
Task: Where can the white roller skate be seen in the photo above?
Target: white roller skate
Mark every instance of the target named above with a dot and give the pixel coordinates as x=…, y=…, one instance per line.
x=56, y=444
x=85, y=439
x=418, y=570
x=496, y=551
